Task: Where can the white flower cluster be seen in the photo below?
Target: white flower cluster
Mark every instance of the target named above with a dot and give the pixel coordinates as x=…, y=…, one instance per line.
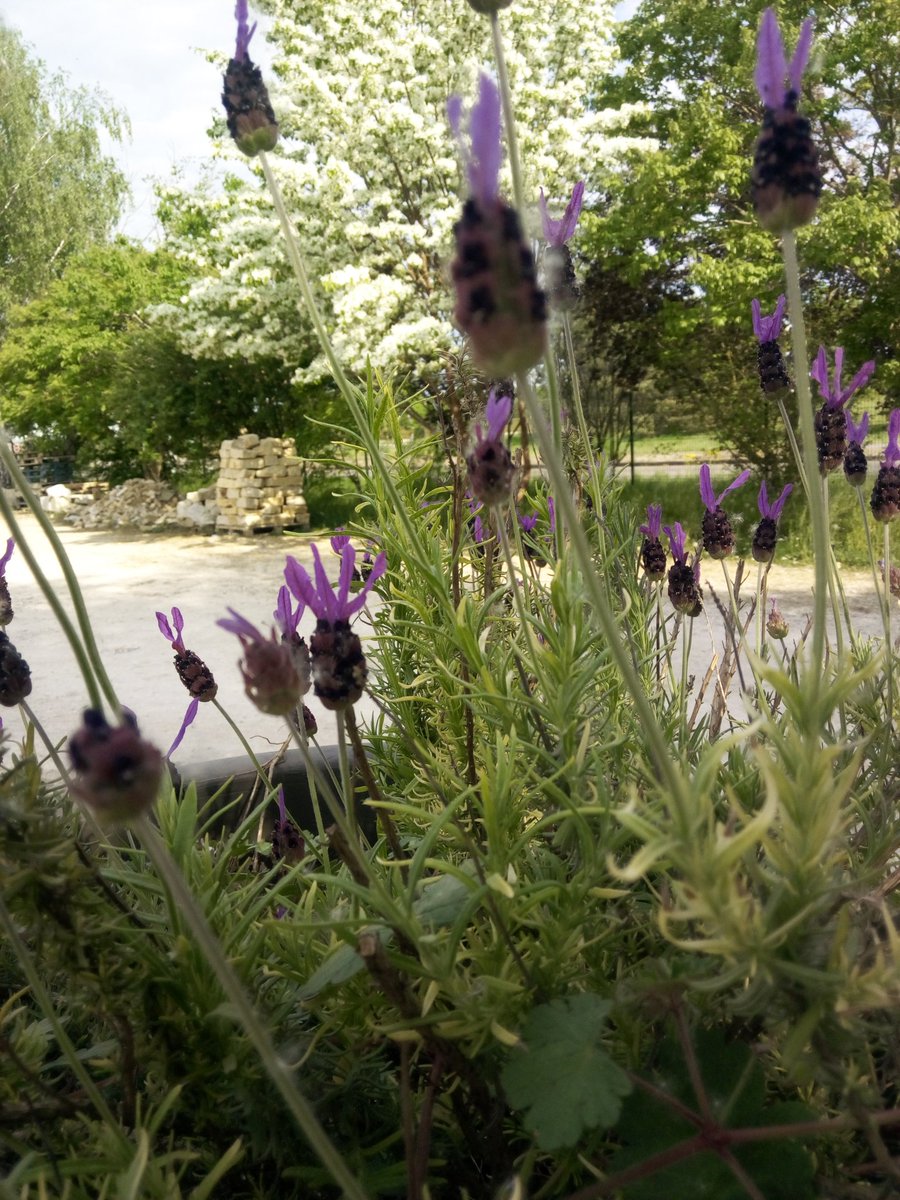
x=371, y=174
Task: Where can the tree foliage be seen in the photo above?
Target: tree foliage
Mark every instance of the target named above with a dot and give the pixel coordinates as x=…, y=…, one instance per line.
x=59, y=193
x=681, y=212
x=372, y=176
x=88, y=374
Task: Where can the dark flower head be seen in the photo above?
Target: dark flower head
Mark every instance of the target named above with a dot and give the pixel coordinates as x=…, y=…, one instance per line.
x=6, y=608
x=766, y=536
x=856, y=465
x=15, y=674
x=885, y=499
x=115, y=772
x=773, y=376
x=251, y=119
x=498, y=303
x=491, y=469
x=275, y=674
x=684, y=589
x=653, y=554
x=786, y=180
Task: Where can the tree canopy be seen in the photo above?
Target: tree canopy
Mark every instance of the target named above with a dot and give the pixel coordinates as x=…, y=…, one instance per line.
x=680, y=214
x=59, y=192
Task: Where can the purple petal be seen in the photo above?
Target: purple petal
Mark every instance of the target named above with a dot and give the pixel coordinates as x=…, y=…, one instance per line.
x=736, y=483
x=454, y=116
x=10, y=546
x=528, y=523
x=498, y=412
x=243, y=33
x=756, y=311
x=325, y=603
x=859, y=380
x=484, y=135
x=677, y=540
x=378, y=569
x=778, y=506
x=551, y=514
x=707, y=495
x=286, y=616
x=478, y=529
x=801, y=54
x=838, y=372
x=189, y=716
x=558, y=232
x=573, y=210
x=301, y=585
x=339, y=541
x=819, y=372
x=164, y=627
x=856, y=431
x=348, y=562
x=762, y=500
x=240, y=626
x=654, y=521
x=771, y=66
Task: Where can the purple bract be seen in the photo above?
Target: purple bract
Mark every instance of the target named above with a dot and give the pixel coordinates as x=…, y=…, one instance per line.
x=708, y=496
x=772, y=67
x=768, y=329
x=327, y=603
x=557, y=232
x=833, y=394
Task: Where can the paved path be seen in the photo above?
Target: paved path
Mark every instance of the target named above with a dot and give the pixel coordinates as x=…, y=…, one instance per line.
x=127, y=577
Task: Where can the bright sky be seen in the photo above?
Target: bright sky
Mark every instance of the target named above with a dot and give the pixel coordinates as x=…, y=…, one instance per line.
x=147, y=55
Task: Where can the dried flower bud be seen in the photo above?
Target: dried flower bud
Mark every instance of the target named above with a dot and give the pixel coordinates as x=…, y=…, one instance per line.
x=15, y=674
x=776, y=625
x=115, y=772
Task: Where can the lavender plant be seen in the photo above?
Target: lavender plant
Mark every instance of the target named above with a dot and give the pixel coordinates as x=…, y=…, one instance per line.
x=599, y=943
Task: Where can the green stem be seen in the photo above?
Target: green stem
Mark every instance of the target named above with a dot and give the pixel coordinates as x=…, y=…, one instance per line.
x=89, y=661
x=277, y=1069
x=886, y=611
x=509, y=119
x=808, y=441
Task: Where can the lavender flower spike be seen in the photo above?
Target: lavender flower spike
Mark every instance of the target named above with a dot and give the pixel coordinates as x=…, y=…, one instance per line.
x=248, y=111
x=653, y=556
x=275, y=674
x=885, y=498
x=718, y=536
x=768, y=329
x=684, y=588
x=558, y=232
x=856, y=465
x=766, y=536
x=831, y=419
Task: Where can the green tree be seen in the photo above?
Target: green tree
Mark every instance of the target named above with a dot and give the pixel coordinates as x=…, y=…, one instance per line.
x=59, y=193
x=86, y=372
x=681, y=212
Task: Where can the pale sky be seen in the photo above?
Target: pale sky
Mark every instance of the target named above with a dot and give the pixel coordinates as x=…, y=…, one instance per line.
x=147, y=55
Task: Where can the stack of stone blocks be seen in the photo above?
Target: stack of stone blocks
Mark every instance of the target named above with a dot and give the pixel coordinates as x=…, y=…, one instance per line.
x=259, y=486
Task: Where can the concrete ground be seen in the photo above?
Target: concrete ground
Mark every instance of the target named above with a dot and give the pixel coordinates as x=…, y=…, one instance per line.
x=126, y=577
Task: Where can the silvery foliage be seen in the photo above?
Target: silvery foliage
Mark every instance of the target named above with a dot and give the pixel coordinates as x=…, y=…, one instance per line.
x=372, y=177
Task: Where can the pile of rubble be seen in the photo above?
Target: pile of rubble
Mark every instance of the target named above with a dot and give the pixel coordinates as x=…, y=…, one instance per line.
x=135, y=504
x=260, y=485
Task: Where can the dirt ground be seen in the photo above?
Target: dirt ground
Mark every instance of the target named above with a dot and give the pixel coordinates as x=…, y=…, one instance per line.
x=127, y=577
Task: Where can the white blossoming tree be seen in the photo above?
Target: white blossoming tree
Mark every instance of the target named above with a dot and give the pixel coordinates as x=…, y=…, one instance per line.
x=371, y=173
